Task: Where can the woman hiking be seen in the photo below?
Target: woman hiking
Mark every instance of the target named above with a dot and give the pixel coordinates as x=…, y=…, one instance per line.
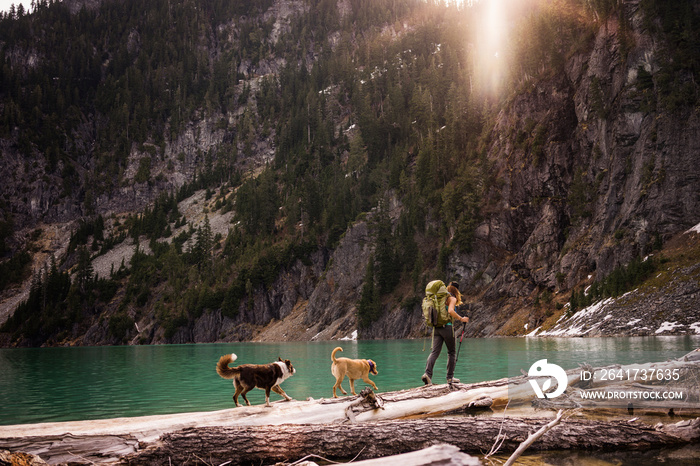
x=445, y=334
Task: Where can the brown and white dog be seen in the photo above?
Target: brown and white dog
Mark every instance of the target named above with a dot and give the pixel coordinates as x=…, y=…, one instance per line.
x=249, y=376
x=354, y=369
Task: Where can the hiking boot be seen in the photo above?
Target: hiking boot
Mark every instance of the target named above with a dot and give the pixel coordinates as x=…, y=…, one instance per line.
x=426, y=380
x=452, y=380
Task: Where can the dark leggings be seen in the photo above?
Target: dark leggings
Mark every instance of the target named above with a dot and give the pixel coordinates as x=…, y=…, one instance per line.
x=442, y=334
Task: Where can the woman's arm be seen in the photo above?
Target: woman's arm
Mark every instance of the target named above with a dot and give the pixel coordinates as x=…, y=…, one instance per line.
x=451, y=302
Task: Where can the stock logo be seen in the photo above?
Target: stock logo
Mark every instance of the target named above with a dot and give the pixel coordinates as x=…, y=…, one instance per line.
x=542, y=368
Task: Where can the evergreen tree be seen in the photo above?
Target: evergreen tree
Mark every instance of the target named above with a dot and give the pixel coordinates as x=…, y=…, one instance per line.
x=369, y=307
x=202, y=249
x=84, y=270
x=387, y=263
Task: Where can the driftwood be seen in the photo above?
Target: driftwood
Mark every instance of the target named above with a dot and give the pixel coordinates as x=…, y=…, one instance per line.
x=421, y=401
x=287, y=443
x=368, y=400
x=532, y=438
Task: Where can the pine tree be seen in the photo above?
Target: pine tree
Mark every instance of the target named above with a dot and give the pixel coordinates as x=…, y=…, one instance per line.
x=388, y=264
x=202, y=248
x=84, y=269
x=368, y=309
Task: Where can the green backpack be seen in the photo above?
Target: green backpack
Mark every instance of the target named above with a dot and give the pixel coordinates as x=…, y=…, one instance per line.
x=434, y=308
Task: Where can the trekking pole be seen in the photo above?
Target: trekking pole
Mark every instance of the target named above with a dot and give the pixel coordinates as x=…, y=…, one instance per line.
x=460, y=342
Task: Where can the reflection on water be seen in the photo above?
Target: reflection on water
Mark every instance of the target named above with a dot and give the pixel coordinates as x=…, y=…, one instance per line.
x=58, y=384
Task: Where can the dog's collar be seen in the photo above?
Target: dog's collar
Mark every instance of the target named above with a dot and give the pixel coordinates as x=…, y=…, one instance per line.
x=371, y=365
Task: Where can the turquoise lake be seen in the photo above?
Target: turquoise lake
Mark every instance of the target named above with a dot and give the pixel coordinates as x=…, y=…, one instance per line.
x=78, y=383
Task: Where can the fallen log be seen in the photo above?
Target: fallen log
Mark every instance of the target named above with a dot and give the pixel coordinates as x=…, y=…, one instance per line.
x=424, y=400
x=287, y=443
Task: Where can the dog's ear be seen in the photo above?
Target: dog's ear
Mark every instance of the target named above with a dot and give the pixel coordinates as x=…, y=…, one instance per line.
x=373, y=367
x=279, y=359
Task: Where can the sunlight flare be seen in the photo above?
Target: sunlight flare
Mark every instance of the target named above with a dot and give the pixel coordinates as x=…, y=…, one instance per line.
x=491, y=38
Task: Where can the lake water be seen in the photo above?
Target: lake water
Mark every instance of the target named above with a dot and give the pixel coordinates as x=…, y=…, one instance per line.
x=62, y=384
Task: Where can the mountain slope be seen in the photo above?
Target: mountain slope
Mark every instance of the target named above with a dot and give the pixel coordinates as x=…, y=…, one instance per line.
x=229, y=173
x=611, y=182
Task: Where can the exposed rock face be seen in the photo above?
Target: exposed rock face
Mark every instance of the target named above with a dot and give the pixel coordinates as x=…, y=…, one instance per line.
x=336, y=293
x=634, y=171
x=76, y=5
x=588, y=177
x=272, y=304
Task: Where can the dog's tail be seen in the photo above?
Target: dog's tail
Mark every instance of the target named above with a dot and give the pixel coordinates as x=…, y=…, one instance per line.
x=338, y=348
x=222, y=366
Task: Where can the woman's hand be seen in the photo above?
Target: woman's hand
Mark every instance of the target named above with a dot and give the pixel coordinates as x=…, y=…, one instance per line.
x=464, y=319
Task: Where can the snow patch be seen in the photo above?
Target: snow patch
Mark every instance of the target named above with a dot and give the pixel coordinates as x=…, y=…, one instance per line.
x=695, y=328
x=668, y=327
x=695, y=229
x=633, y=322
x=351, y=337
x=578, y=324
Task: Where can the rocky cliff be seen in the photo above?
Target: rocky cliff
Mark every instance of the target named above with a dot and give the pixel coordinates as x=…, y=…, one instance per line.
x=586, y=167
x=581, y=190
x=612, y=176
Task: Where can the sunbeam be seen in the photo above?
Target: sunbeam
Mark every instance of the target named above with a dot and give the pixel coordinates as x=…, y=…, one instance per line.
x=491, y=36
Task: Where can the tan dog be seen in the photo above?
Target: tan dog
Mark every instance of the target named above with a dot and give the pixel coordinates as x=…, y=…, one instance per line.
x=354, y=369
